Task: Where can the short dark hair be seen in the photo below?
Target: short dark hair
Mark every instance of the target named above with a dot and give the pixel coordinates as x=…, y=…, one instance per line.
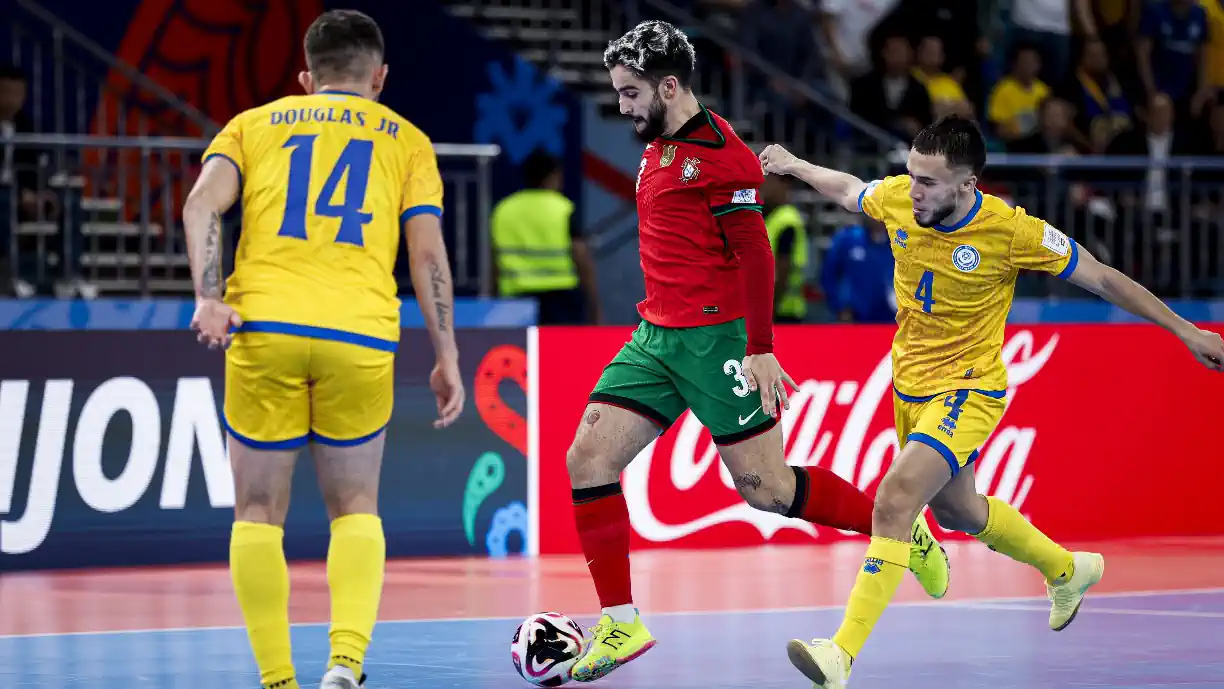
x=341, y=43
x=957, y=139
x=654, y=50
x=537, y=167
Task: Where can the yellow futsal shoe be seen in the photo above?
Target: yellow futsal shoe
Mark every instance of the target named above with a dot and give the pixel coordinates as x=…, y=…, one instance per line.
x=612, y=645
x=1066, y=598
x=928, y=560
x=822, y=661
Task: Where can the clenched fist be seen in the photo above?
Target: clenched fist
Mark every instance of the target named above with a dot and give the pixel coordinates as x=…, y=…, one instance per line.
x=776, y=160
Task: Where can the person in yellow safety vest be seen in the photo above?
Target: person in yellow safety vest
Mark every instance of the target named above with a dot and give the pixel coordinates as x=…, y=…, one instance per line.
x=538, y=250
x=789, y=241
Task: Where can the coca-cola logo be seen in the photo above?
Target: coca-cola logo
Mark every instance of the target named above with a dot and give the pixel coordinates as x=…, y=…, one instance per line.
x=845, y=425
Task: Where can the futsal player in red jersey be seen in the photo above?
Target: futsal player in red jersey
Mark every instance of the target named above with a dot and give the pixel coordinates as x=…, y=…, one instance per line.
x=705, y=342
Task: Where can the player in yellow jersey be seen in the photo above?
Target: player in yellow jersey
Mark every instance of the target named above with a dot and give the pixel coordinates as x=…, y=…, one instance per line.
x=328, y=182
x=957, y=254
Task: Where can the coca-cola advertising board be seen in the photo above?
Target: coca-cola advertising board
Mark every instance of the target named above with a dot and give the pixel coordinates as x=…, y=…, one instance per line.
x=1110, y=431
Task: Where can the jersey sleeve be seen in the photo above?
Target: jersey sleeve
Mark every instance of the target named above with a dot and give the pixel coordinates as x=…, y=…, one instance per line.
x=227, y=144
x=736, y=189
x=423, y=187
x=1038, y=245
x=874, y=198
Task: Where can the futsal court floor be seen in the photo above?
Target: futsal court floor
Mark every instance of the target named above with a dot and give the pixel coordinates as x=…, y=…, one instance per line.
x=722, y=619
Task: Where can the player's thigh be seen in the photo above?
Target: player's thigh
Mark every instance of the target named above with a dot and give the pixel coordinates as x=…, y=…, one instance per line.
x=959, y=506
x=956, y=424
x=631, y=404
x=352, y=392
x=349, y=475
x=607, y=440
x=945, y=437
x=708, y=371
x=267, y=392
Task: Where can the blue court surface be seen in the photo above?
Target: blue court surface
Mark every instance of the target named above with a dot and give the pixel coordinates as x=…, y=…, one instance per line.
x=1173, y=640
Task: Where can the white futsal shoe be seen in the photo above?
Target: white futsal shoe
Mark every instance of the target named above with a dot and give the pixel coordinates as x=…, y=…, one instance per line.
x=822, y=661
x=341, y=677
x=1066, y=598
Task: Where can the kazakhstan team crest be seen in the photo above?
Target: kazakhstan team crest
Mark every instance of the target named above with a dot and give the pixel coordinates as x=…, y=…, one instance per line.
x=669, y=154
x=690, y=170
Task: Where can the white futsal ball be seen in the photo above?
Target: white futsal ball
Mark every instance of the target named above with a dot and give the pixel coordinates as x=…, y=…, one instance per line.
x=545, y=648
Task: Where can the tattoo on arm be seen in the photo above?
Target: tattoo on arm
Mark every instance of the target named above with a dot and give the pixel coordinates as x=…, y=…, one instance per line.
x=437, y=281
x=749, y=480
x=211, y=287
x=780, y=507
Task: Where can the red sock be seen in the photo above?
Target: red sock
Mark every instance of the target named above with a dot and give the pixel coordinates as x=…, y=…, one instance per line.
x=824, y=498
x=603, y=529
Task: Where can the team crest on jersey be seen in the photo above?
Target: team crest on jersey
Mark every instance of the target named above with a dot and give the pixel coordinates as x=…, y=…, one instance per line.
x=669, y=154
x=689, y=170
x=966, y=258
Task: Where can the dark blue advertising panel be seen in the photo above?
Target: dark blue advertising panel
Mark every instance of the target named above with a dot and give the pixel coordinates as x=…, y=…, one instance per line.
x=112, y=453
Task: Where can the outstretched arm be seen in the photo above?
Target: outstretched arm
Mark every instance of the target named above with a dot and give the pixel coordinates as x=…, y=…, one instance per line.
x=843, y=188
x=1116, y=288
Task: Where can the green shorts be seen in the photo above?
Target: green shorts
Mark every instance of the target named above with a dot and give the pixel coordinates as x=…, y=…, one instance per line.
x=660, y=372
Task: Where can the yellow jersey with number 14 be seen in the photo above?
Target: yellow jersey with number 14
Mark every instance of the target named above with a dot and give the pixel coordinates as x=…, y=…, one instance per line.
x=955, y=284
x=327, y=183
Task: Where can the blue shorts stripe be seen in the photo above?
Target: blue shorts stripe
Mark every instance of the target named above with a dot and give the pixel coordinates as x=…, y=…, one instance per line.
x=318, y=334
x=290, y=444
x=943, y=450
x=353, y=442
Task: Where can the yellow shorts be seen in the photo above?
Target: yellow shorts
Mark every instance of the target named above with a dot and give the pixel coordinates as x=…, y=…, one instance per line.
x=282, y=391
x=955, y=423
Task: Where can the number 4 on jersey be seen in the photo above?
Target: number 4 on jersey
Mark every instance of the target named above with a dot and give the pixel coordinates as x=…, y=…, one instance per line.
x=926, y=291
x=355, y=160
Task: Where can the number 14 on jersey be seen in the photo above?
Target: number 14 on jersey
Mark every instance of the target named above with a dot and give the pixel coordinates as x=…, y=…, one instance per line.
x=355, y=161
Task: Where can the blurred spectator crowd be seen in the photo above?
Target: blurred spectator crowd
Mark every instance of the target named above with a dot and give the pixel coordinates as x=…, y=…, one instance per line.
x=1129, y=77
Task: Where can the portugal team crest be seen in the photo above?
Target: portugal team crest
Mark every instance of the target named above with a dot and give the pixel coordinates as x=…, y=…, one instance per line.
x=690, y=170
x=966, y=258
x=669, y=154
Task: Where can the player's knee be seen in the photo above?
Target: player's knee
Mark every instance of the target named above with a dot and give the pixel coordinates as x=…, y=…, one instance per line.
x=762, y=495
x=590, y=465
x=897, y=503
x=260, y=504
x=966, y=517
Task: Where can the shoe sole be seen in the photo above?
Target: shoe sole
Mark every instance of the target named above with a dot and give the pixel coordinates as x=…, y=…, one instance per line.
x=803, y=661
x=604, y=672
x=1100, y=575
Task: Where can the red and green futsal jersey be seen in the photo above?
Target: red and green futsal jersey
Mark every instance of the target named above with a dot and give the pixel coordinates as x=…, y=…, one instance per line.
x=709, y=280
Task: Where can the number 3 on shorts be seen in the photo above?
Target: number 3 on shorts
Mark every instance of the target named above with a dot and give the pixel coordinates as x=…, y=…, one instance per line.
x=733, y=368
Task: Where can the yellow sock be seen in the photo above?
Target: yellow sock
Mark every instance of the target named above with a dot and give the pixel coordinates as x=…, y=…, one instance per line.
x=1010, y=533
x=261, y=582
x=883, y=567
x=356, y=559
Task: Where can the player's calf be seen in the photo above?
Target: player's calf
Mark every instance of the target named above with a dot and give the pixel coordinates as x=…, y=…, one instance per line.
x=260, y=574
x=356, y=554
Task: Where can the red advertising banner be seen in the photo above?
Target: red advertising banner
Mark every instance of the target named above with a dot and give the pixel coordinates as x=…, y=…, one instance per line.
x=1110, y=431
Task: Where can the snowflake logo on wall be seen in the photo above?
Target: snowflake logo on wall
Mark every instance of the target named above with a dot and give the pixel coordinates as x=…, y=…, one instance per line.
x=519, y=113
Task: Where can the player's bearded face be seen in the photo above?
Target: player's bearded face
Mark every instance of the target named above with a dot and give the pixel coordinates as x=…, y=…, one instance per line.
x=933, y=209
x=650, y=125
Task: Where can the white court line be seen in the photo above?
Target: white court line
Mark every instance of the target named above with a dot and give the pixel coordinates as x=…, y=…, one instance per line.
x=966, y=603
x=1217, y=615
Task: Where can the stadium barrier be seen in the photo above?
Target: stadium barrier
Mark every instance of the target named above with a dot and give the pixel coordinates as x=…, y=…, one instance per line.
x=117, y=457
x=1110, y=431
x=112, y=453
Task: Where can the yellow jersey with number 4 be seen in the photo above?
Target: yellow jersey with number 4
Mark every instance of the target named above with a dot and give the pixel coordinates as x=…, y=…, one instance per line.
x=327, y=182
x=955, y=284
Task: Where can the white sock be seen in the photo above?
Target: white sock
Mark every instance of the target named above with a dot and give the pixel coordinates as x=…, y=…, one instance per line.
x=621, y=613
